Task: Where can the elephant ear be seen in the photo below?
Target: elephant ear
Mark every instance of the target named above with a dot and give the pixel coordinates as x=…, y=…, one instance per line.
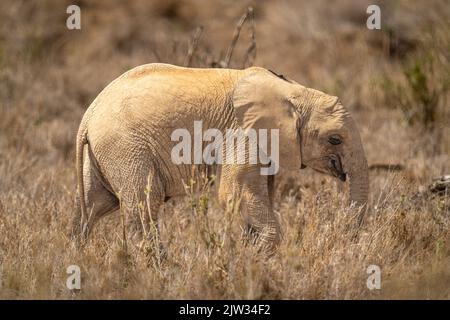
x=261, y=101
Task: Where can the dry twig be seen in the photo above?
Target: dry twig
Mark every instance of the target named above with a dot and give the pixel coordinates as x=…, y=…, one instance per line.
x=387, y=167
x=193, y=46
x=237, y=31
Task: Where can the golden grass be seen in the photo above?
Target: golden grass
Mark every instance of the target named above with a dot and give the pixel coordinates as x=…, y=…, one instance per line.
x=49, y=75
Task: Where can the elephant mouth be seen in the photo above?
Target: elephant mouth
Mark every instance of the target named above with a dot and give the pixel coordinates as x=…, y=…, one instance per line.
x=335, y=165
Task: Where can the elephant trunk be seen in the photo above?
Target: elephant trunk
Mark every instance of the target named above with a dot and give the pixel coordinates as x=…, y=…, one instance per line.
x=358, y=173
x=359, y=179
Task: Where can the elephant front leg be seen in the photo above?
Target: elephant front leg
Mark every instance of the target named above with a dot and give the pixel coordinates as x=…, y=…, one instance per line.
x=260, y=221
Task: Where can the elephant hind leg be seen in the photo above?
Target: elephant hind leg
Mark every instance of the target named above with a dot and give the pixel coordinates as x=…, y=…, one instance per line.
x=141, y=200
x=99, y=201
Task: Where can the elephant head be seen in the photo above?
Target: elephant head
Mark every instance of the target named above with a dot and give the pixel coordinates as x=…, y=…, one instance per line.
x=315, y=130
x=331, y=144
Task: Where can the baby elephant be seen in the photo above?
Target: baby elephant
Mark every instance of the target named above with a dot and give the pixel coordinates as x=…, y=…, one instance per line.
x=129, y=153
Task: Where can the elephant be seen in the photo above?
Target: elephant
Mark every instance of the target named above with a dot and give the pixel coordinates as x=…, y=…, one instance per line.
x=124, y=145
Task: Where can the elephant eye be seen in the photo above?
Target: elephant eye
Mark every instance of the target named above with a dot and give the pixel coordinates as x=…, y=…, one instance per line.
x=334, y=140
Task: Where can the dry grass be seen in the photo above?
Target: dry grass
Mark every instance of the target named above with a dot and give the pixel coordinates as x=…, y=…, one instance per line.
x=49, y=75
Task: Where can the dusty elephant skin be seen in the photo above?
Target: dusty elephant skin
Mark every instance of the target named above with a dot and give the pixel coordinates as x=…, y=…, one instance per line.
x=124, y=140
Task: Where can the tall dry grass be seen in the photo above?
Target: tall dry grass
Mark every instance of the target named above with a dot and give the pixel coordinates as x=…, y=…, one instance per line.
x=389, y=79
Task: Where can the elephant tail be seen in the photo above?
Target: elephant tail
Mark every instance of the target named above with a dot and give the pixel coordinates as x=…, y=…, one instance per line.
x=81, y=141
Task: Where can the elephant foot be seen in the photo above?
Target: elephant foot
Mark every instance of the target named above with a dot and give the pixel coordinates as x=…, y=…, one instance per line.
x=266, y=240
